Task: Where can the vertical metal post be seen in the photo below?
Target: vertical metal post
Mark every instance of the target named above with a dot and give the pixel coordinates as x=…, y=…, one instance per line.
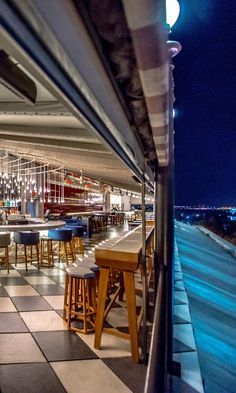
x=170, y=233
x=144, y=347
x=156, y=267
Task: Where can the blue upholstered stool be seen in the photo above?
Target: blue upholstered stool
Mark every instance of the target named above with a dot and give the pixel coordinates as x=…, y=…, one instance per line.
x=5, y=241
x=77, y=234
x=28, y=239
x=80, y=299
x=63, y=238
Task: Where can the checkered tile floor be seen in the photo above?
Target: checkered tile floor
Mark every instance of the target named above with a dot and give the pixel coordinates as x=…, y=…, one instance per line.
x=39, y=355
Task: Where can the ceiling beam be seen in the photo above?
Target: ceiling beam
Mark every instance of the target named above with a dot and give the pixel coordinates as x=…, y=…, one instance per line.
x=62, y=133
x=64, y=145
x=39, y=107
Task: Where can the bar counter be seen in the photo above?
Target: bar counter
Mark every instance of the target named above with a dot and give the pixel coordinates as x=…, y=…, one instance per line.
x=39, y=225
x=124, y=255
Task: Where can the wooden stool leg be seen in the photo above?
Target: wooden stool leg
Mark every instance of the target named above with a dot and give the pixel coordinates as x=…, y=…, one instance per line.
x=51, y=252
x=37, y=253
x=71, y=251
x=84, y=306
x=65, y=298
x=69, y=302
x=103, y=283
x=81, y=246
x=7, y=259
x=15, y=254
x=65, y=250
x=131, y=307
x=25, y=253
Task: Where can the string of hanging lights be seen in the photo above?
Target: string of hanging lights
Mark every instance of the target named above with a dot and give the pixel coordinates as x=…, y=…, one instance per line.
x=28, y=177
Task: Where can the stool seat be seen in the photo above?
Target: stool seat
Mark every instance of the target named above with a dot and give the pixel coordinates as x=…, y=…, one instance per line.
x=77, y=230
x=89, y=264
x=26, y=237
x=81, y=272
x=58, y=234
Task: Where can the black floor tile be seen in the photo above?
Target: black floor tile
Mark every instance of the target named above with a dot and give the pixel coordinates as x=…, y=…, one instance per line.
x=11, y=322
x=13, y=281
x=3, y=292
x=132, y=374
x=33, y=272
x=31, y=303
x=63, y=345
x=58, y=279
x=29, y=378
x=44, y=289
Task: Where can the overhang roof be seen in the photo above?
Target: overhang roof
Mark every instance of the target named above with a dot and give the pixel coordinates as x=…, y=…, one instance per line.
x=54, y=125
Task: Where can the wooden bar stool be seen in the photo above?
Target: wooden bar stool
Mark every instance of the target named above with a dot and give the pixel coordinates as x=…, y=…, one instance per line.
x=63, y=238
x=5, y=241
x=79, y=298
x=77, y=238
x=90, y=263
x=28, y=239
x=46, y=252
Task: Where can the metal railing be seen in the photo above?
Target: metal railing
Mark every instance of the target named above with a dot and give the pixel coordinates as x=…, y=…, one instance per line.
x=156, y=378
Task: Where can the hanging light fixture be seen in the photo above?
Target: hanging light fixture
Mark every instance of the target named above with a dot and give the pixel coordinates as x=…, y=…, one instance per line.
x=24, y=177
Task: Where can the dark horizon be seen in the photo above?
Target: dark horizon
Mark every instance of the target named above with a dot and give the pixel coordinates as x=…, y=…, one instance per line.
x=205, y=92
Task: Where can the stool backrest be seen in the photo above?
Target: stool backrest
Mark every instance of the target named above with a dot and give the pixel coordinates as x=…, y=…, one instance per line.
x=5, y=239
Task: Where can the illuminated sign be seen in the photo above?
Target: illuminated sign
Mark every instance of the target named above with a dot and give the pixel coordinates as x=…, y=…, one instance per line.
x=8, y=203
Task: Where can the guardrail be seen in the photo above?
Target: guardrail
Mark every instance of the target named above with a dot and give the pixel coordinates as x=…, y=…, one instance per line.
x=156, y=378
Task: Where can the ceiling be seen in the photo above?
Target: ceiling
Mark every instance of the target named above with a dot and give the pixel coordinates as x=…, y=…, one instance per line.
x=49, y=129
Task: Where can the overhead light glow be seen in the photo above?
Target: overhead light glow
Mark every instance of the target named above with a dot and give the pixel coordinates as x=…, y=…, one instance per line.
x=172, y=12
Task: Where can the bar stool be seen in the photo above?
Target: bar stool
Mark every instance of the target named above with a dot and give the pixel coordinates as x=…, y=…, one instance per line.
x=46, y=252
x=79, y=298
x=63, y=237
x=77, y=236
x=89, y=263
x=5, y=241
x=27, y=239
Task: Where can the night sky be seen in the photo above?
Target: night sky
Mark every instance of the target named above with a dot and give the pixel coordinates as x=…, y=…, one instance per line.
x=205, y=92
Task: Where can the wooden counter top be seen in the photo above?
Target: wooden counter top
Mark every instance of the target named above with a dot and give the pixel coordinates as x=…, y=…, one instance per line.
x=125, y=253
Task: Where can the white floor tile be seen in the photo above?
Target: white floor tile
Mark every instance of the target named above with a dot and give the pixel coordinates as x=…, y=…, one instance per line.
x=19, y=348
x=56, y=302
x=6, y=305
x=88, y=376
x=41, y=321
x=21, y=290
x=12, y=273
x=111, y=346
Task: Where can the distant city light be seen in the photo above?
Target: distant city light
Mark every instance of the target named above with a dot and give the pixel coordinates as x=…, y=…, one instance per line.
x=172, y=12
